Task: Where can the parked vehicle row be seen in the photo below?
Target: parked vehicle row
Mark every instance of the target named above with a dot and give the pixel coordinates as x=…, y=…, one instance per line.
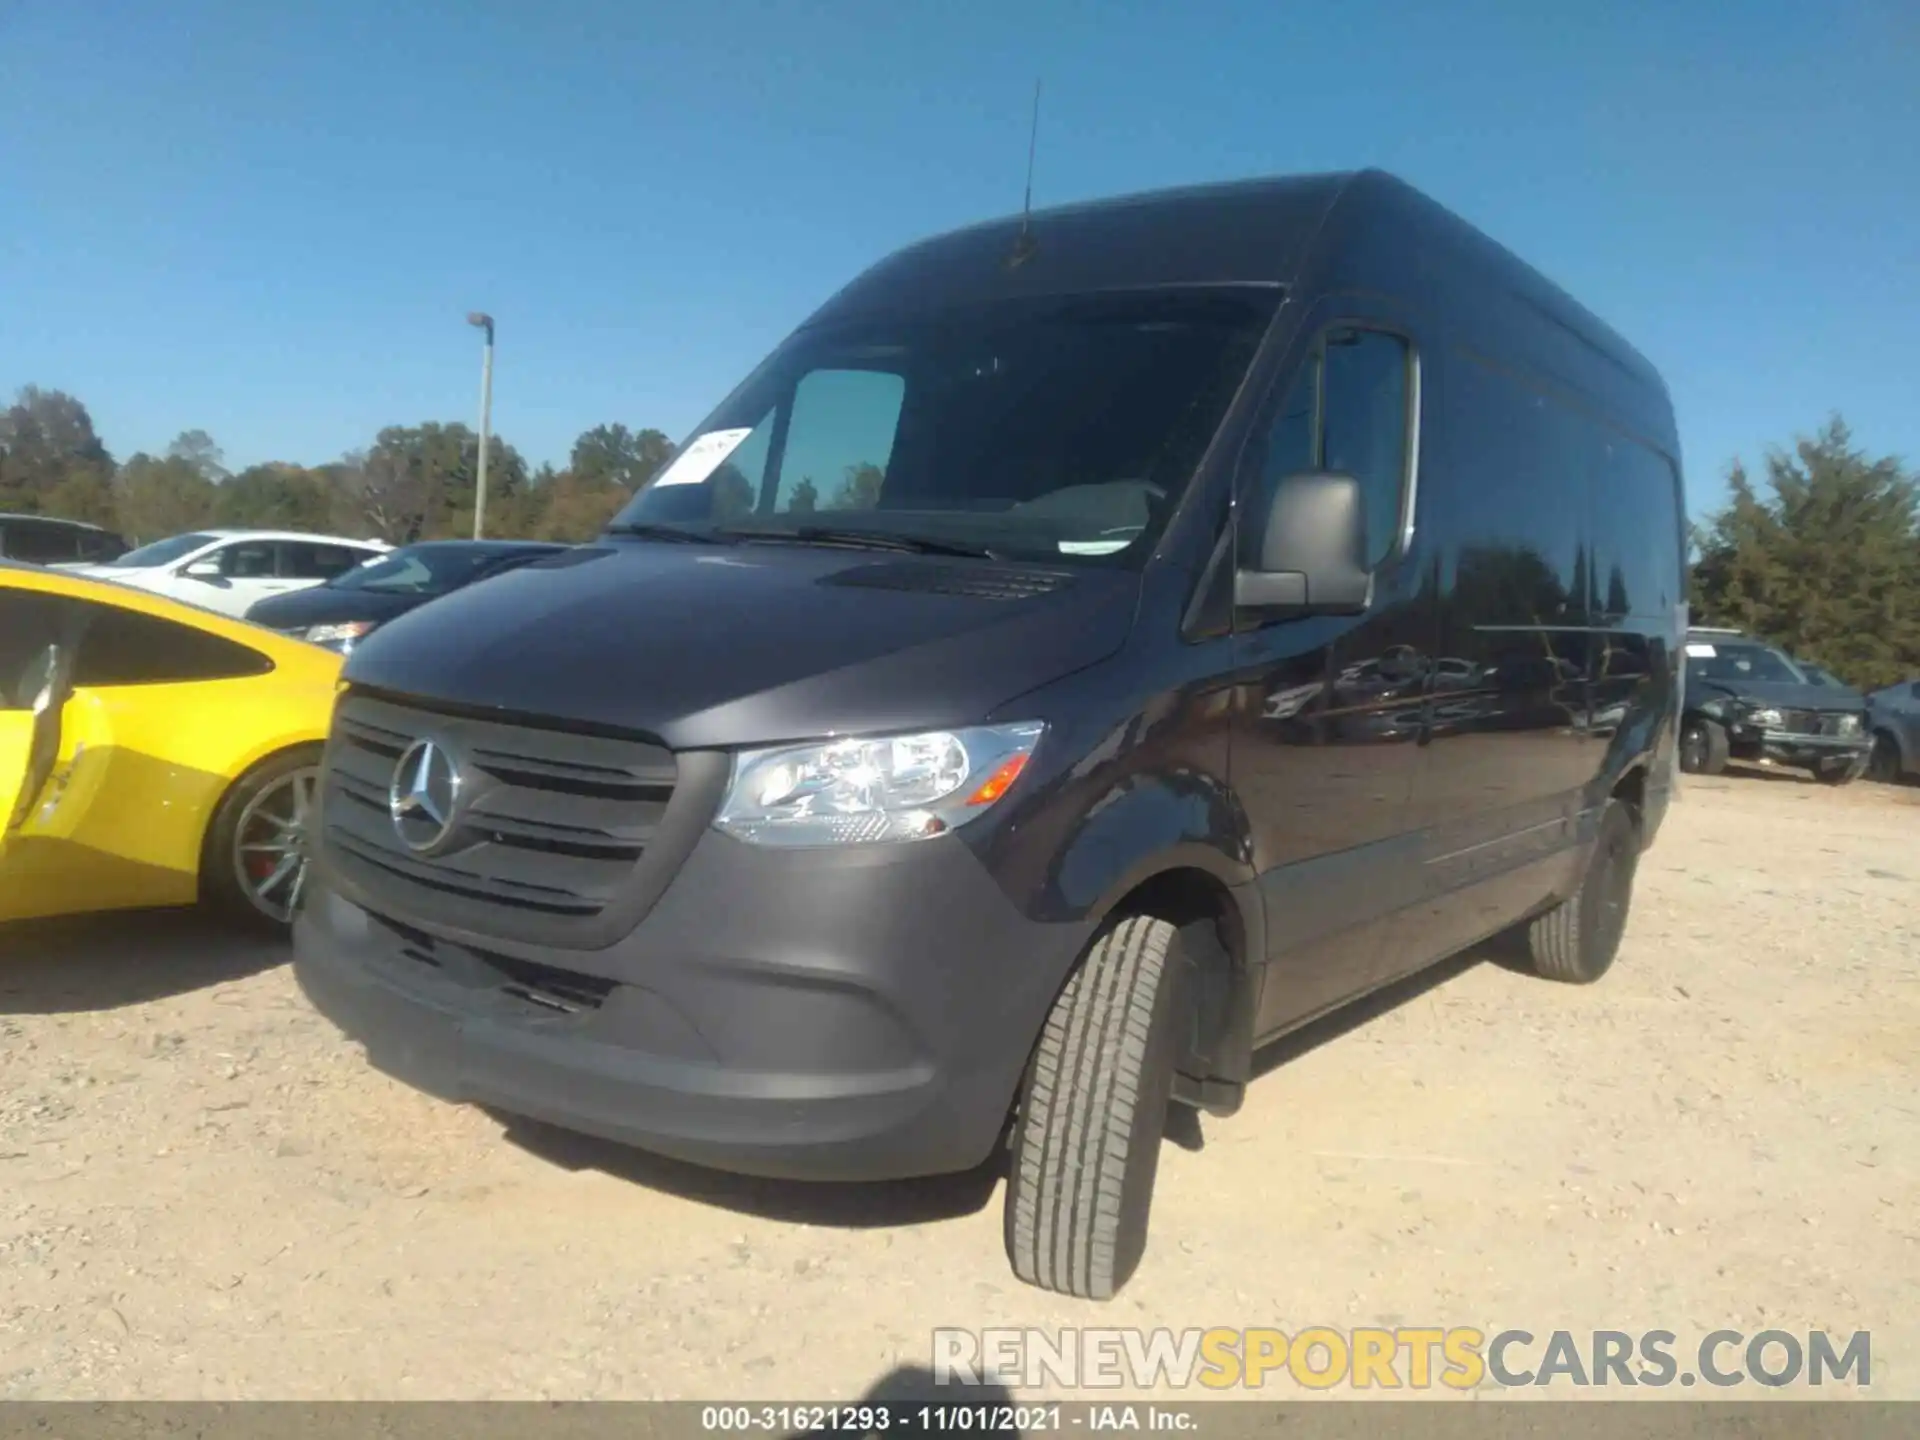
x=229, y=571
x=1754, y=702
x=1746, y=700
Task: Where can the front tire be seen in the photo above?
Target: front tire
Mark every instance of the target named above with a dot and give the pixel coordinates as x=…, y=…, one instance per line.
x=253, y=866
x=1884, y=767
x=1837, y=772
x=1576, y=941
x=1093, y=1108
x=1703, y=747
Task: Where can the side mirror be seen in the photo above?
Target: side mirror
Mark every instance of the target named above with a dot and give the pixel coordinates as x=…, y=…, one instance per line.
x=1312, y=549
x=203, y=570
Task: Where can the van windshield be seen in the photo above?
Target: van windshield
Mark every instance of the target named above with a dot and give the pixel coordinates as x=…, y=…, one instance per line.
x=1064, y=428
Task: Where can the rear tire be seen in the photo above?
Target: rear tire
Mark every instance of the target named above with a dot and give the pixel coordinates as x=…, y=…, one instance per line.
x=248, y=815
x=1577, y=940
x=1703, y=747
x=1093, y=1109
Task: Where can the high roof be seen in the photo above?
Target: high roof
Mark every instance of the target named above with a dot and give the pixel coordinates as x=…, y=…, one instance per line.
x=1255, y=232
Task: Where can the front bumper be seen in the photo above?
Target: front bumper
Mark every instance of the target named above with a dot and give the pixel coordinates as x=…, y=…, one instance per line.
x=834, y=1015
x=1787, y=747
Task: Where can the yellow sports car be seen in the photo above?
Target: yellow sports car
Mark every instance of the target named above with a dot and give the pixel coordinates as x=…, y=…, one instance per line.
x=151, y=753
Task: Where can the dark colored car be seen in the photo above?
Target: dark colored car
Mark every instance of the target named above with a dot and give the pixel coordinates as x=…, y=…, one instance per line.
x=1894, y=713
x=1746, y=700
x=349, y=607
x=48, y=540
x=1083, y=651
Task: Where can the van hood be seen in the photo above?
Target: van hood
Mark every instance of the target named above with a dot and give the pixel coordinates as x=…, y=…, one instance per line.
x=719, y=646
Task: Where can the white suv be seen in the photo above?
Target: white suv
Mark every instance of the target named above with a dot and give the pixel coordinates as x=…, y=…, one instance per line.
x=230, y=570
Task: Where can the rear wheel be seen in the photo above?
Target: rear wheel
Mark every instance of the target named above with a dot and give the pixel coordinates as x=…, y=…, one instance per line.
x=1577, y=940
x=254, y=866
x=1093, y=1108
x=1703, y=747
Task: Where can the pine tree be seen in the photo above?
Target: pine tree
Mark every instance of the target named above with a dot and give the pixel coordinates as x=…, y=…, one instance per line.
x=1826, y=565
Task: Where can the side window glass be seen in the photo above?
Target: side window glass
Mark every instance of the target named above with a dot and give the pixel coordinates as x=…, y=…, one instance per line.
x=304, y=561
x=124, y=647
x=1633, y=525
x=29, y=623
x=840, y=440
x=40, y=544
x=1288, y=449
x=1346, y=410
x=248, y=560
x=1363, y=428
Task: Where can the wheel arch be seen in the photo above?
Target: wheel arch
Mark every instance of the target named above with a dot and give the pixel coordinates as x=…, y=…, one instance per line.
x=1222, y=944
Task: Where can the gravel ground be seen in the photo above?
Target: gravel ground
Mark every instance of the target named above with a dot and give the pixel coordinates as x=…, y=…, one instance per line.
x=205, y=1194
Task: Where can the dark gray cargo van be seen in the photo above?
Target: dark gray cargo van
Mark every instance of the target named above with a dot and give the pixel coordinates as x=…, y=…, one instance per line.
x=1086, y=649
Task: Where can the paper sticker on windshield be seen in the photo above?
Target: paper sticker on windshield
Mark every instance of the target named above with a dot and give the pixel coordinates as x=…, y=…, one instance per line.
x=1701, y=652
x=701, y=458
x=1092, y=547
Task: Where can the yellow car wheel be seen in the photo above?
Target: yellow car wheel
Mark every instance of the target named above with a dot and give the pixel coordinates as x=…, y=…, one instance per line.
x=254, y=866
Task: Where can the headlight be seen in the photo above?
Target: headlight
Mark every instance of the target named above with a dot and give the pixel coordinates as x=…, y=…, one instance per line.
x=1849, y=725
x=860, y=791
x=1766, y=719
x=337, y=637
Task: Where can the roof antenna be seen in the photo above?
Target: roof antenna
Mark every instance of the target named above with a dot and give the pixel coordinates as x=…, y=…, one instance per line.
x=1024, y=244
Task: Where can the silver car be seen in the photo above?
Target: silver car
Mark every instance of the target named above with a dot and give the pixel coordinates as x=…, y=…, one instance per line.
x=1894, y=714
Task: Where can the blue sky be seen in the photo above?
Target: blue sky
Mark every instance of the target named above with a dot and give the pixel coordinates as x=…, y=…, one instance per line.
x=268, y=220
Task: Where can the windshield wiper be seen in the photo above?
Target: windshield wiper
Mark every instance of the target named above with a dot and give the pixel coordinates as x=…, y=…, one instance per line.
x=647, y=531
x=861, y=540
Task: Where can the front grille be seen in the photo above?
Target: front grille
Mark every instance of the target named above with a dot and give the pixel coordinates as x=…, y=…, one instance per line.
x=553, y=828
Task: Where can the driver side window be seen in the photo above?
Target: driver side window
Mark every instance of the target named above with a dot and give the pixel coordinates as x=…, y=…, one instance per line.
x=1349, y=409
x=247, y=560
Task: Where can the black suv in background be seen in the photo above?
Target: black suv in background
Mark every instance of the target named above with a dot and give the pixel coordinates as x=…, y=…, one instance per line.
x=1747, y=700
x=48, y=540
x=346, y=609
x=1086, y=649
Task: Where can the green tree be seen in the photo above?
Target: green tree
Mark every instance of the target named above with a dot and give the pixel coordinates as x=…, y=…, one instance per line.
x=860, y=490
x=51, y=460
x=577, y=508
x=277, y=496
x=1825, y=563
x=417, y=482
x=613, y=454
x=196, y=447
x=156, y=498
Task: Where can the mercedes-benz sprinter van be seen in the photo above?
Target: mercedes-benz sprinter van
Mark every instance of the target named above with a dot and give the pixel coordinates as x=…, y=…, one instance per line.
x=1089, y=647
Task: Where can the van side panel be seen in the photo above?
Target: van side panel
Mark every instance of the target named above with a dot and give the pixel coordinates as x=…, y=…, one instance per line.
x=1549, y=510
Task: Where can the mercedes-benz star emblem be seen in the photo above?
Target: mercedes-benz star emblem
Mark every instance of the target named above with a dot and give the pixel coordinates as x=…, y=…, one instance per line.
x=423, y=794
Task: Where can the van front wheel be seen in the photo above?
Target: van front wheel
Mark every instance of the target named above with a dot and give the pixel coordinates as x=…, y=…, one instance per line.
x=1093, y=1108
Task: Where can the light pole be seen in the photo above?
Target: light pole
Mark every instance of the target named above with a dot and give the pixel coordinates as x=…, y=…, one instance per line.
x=485, y=322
